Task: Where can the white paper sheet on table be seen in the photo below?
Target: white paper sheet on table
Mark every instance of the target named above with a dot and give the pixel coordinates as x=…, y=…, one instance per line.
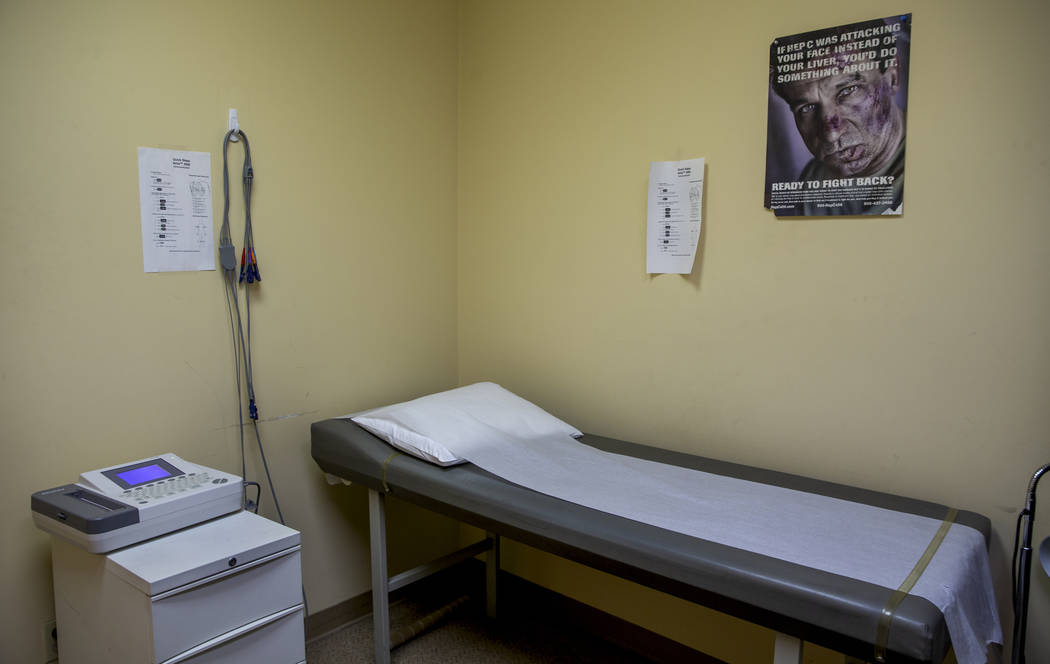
x=676, y=192
x=175, y=206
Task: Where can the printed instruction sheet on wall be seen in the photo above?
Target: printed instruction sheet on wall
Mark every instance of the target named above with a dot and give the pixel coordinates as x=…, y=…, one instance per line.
x=676, y=193
x=175, y=201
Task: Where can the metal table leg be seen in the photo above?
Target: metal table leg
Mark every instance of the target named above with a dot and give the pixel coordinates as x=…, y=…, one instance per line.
x=492, y=576
x=787, y=650
x=380, y=589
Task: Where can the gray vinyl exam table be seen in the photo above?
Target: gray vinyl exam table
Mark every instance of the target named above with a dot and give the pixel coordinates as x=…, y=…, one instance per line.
x=798, y=602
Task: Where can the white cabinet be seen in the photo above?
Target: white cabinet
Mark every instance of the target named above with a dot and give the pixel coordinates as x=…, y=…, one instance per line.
x=228, y=590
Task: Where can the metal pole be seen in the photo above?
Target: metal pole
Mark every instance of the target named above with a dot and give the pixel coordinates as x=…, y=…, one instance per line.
x=787, y=650
x=1025, y=564
x=492, y=576
x=380, y=590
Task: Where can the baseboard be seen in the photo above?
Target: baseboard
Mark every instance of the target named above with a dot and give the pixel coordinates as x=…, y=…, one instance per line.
x=518, y=597
x=441, y=584
x=326, y=621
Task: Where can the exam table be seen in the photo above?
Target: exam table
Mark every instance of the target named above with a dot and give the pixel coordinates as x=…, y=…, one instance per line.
x=800, y=603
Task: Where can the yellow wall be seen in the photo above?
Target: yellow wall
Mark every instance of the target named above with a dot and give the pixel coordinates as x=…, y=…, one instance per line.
x=908, y=355
x=351, y=110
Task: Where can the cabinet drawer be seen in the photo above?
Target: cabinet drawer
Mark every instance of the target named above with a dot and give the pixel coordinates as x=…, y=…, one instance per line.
x=273, y=640
x=193, y=614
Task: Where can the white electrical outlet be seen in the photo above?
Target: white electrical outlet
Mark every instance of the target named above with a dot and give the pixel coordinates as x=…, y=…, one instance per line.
x=50, y=636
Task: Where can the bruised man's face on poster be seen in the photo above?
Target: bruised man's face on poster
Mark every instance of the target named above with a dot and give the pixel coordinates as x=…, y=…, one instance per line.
x=848, y=121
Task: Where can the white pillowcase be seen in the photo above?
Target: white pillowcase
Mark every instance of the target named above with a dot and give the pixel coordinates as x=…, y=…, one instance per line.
x=424, y=426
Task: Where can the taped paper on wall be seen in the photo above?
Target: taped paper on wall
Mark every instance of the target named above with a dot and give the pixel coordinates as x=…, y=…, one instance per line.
x=175, y=204
x=676, y=193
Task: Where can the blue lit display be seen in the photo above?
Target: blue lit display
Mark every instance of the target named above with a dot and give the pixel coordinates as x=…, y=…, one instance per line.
x=144, y=474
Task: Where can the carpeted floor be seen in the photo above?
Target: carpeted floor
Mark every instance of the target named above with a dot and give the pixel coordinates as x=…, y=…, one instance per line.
x=467, y=637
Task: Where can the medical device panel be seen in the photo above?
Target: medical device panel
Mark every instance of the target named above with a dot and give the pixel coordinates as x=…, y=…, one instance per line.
x=114, y=507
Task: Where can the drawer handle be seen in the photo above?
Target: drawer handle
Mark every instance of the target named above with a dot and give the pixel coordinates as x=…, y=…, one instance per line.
x=224, y=573
x=232, y=634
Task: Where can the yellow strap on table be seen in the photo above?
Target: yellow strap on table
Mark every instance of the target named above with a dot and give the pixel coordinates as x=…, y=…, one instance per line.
x=882, y=634
x=386, y=489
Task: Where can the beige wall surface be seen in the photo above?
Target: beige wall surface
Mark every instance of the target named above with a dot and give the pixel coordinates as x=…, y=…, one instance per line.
x=351, y=112
x=908, y=354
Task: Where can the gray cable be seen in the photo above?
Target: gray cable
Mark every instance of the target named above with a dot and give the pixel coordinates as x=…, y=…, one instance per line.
x=241, y=340
x=242, y=346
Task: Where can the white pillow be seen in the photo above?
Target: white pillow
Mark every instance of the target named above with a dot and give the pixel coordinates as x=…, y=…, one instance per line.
x=428, y=426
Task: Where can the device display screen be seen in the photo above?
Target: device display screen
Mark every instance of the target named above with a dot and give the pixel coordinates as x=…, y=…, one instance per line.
x=144, y=474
